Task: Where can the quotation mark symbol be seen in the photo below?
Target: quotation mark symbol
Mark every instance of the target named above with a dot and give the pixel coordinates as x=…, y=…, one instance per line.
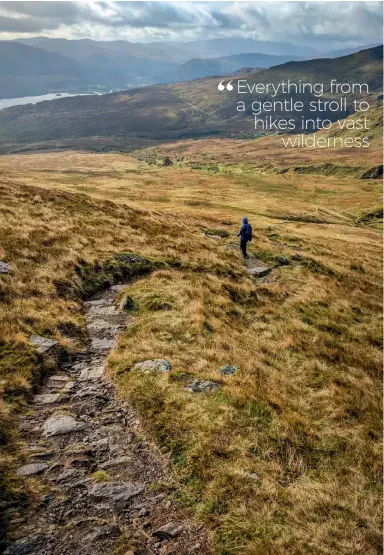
x=222, y=87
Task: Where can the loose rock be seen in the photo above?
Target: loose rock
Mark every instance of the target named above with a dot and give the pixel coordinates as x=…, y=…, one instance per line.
x=199, y=386
x=169, y=530
x=103, y=344
x=61, y=424
x=31, y=469
x=4, y=268
x=47, y=399
x=42, y=344
x=155, y=365
x=255, y=476
x=92, y=373
x=228, y=370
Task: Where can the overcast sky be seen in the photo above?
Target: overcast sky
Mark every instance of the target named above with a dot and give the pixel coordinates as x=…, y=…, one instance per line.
x=322, y=25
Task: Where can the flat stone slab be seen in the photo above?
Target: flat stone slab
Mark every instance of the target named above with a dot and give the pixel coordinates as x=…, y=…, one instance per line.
x=259, y=271
x=4, y=268
x=101, y=309
x=116, y=493
x=103, y=344
x=60, y=424
x=201, y=386
x=42, y=344
x=155, y=365
x=31, y=469
x=91, y=373
x=47, y=398
x=228, y=370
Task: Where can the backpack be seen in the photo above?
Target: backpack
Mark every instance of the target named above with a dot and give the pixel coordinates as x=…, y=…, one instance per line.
x=249, y=232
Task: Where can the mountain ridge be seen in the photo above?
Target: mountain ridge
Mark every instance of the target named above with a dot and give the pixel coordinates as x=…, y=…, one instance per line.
x=187, y=109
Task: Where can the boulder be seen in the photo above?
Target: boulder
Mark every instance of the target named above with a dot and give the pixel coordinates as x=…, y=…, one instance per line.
x=228, y=370
x=200, y=386
x=31, y=469
x=42, y=344
x=155, y=365
x=4, y=268
x=60, y=424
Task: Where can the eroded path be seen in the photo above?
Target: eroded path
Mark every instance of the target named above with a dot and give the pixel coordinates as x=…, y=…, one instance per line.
x=99, y=481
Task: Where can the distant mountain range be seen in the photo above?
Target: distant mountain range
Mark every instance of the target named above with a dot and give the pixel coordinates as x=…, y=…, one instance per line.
x=186, y=109
x=40, y=65
x=205, y=67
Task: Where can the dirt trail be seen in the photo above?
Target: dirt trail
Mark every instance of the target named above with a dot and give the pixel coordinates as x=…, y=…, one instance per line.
x=75, y=427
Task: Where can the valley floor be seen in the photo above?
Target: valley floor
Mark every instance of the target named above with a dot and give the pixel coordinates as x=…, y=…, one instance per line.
x=284, y=455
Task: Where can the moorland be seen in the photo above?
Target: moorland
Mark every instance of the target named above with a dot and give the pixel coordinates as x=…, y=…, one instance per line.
x=285, y=456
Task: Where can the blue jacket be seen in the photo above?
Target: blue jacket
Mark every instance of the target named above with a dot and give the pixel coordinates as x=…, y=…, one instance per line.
x=244, y=231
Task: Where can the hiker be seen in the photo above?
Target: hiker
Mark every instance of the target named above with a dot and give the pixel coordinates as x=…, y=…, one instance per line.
x=245, y=236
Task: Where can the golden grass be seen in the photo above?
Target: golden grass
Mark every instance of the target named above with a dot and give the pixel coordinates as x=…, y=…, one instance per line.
x=284, y=457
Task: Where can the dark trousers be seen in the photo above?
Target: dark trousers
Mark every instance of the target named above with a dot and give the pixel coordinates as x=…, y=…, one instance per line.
x=243, y=246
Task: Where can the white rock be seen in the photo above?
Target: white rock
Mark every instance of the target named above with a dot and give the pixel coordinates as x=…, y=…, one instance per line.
x=47, y=398
x=30, y=469
x=59, y=424
x=103, y=344
x=91, y=373
x=42, y=344
x=170, y=530
x=155, y=365
x=4, y=268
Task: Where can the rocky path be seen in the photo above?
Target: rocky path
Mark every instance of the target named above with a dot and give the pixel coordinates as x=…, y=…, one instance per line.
x=98, y=481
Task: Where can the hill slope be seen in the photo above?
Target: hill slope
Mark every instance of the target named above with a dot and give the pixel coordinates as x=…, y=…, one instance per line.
x=283, y=458
x=183, y=109
x=198, y=68
x=25, y=70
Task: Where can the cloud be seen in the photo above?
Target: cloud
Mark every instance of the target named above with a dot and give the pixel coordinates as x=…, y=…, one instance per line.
x=323, y=25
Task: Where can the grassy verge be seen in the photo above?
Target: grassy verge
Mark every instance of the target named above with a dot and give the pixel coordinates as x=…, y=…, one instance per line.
x=61, y=248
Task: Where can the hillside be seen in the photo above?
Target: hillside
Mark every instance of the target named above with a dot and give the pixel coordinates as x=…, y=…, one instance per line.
x=25, y=70
x=268, y=154
x=283, y=456
x=198, y=68
x=180, y=110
